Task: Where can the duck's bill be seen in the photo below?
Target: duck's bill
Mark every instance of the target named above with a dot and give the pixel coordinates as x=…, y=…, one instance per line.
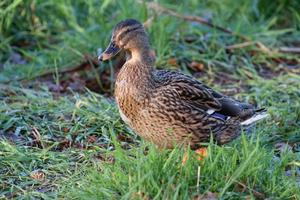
x=110, y=52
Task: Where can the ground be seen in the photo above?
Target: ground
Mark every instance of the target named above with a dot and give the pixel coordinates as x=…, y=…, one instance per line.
x=61, y=134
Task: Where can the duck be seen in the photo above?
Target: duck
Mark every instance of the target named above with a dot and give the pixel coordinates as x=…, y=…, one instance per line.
x=167, y=107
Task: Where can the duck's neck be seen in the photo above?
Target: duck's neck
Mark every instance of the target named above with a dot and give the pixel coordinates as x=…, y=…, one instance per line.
x=138, y=69
x=143, y=56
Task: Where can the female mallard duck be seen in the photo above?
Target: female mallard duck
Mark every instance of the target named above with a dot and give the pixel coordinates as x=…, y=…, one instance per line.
x=168, y=107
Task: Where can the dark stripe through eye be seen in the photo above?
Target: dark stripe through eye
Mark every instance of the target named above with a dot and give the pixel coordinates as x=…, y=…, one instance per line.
x=127, y=31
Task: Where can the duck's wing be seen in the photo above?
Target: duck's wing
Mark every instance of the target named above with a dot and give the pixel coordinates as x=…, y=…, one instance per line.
x=201, y=96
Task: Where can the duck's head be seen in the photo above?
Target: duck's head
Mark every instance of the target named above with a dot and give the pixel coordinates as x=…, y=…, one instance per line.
x=129, y=35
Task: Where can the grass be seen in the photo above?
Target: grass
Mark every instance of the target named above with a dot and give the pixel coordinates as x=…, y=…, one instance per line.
x=161, y=175
x=70, y=143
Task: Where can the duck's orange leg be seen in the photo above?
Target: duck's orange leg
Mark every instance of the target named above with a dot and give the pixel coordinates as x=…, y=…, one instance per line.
x=201, y=154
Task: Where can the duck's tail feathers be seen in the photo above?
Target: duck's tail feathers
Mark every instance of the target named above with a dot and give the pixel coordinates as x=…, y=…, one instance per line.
x=259, y=115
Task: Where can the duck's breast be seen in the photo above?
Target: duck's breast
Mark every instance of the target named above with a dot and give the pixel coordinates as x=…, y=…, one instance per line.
x=128, y=99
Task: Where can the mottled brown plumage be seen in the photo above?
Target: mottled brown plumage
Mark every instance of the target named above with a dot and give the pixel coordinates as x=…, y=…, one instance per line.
x=168, y=107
